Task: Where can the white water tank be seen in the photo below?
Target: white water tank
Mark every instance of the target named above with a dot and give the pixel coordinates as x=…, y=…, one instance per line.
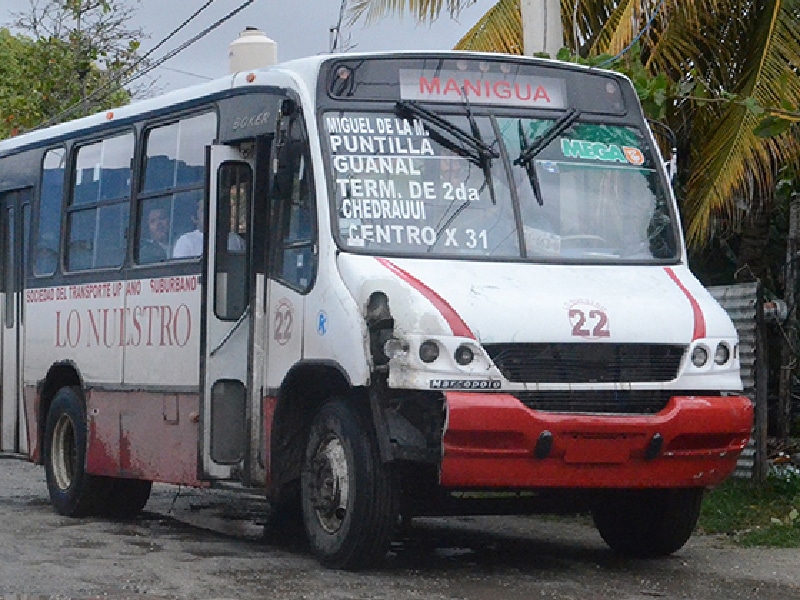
x=252, y=50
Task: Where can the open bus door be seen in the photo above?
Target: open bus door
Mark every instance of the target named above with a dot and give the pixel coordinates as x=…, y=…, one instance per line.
x=13, y=210
x=227, y=314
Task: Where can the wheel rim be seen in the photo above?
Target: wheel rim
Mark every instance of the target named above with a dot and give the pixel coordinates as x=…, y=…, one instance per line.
x=64, y=453
x=330, y=484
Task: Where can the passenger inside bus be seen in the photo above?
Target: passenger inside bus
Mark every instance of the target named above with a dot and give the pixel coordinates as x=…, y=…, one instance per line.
x=190, y=244
x=154, y=243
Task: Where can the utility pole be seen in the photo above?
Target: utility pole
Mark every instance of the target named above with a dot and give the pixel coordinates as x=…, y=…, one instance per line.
x=790, y=337
x=541, y=27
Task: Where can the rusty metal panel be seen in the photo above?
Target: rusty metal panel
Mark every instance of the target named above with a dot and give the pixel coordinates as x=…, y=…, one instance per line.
x=741, y=303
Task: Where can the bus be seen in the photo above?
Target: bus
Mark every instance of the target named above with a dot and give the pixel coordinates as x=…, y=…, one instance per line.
x=371, y=287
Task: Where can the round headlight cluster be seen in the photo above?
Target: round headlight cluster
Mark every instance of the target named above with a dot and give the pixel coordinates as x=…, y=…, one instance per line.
x=429, y=351
x=700, y=355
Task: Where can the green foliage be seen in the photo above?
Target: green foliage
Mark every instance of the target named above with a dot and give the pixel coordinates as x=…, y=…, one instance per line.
x=756, y=515
x=654, y=92
x=70, y=59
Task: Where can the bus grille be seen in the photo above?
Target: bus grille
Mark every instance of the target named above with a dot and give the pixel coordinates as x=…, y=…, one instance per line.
x=598, y=401
x=586, y=363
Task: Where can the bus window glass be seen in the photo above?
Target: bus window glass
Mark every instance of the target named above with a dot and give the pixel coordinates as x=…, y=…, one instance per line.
x=294, y=192
x=195, y=134
x=50, y=198
x=172, y=190
x=435, y=184
x=231, y=264
x=599, y=195
x=403, y=185
x=98, y=215
x=176, y=153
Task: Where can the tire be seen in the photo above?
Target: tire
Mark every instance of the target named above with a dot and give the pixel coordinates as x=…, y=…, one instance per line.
x=347, y=494
x=647, y=523
x=126, y=498
x=73, y=492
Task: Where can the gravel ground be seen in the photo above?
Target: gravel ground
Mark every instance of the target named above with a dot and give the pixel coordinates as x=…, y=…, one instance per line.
x=195, y=544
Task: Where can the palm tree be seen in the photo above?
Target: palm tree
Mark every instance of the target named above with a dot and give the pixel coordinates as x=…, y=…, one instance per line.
x=731, y=58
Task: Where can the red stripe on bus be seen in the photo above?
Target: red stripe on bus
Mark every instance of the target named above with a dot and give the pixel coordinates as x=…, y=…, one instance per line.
x=699, y=319
x=456, y=323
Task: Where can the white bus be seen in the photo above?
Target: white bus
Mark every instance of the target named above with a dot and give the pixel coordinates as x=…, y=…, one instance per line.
x=373, y=287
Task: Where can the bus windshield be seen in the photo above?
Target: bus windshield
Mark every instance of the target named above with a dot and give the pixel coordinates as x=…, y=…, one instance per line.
x=424, y=183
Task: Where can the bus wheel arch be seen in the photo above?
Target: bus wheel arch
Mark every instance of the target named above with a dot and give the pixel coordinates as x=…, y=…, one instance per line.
x=61, y=374
x=305, y=388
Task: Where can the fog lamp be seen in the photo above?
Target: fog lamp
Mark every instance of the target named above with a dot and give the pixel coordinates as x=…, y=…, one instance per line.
x=464, y=355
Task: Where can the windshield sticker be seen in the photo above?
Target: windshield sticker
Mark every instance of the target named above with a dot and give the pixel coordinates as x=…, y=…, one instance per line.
x=397, y=186
x=603, y=152
x=482, y=88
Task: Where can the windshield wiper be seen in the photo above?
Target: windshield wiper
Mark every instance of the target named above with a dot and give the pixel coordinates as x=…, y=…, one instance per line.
x=476, y=149
x=529, y=150
x=485, y=157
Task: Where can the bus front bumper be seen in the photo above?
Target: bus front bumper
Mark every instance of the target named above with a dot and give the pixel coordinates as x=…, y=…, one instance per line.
x=494, y=441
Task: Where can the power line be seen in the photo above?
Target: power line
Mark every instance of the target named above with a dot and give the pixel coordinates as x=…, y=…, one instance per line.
x=120, y=80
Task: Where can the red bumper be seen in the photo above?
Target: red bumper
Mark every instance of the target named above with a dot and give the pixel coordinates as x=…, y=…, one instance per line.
x=491, y=442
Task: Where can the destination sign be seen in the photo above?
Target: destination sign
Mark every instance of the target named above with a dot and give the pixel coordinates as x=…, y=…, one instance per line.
x=482, y=88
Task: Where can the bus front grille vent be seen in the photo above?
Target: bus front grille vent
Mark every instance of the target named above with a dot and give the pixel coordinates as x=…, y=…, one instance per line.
x=618, y=402
x=586, y=363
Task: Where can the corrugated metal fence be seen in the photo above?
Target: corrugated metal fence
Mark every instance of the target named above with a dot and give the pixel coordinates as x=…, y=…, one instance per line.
x=743, y=303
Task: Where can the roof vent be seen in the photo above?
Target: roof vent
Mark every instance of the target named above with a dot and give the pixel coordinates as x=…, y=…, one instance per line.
x=252, y=50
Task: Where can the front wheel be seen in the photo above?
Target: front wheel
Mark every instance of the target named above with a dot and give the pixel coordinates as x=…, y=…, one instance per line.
x=126, y=498
x=73, y=492
x=647, y=523
x=347, y=494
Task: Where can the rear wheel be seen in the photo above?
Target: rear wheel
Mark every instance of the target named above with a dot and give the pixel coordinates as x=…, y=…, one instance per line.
x=348, y=497
x=73, y=492
x=647, y=523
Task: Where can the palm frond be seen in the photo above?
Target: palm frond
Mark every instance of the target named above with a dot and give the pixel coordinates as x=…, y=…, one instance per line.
x=424, y=11
x=499, y=30
x=729, y=160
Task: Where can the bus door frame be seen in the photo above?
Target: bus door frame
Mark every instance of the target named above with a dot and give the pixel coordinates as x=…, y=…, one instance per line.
x=226, y=344
x=14, y=205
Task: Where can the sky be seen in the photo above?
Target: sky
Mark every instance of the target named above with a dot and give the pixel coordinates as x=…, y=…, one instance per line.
x=300, y=28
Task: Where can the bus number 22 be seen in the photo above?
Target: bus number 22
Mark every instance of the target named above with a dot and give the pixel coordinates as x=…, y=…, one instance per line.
x=284, y=319
x=595, y=325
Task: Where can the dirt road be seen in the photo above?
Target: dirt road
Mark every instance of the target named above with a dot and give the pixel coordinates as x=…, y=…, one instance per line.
x=202, y=545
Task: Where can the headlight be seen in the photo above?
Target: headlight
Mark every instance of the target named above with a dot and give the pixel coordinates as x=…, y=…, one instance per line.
x=722, y=355
x=464, y=355
x=699, y=356
x=428, y=351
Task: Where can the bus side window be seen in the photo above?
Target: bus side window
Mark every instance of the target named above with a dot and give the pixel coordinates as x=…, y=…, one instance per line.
x=45, y=253
x=171, y=189
x=100, y=204
x=293, y=196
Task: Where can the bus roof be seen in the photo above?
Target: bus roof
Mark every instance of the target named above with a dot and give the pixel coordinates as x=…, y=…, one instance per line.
x=285, y=73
